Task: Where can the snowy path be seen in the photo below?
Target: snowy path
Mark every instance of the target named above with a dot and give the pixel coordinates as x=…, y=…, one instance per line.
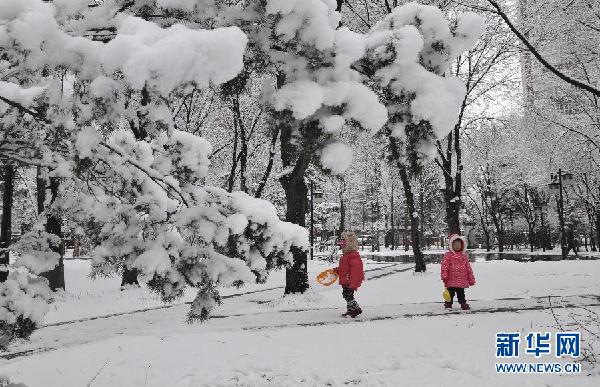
x=99, y=327
x=394, y=269
x=152, y=322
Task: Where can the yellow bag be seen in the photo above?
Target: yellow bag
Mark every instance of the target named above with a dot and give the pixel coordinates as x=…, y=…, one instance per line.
x=327, y=277
x=446, y=295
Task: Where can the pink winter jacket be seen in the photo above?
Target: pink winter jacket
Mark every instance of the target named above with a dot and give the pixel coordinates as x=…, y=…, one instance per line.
x=456, y=269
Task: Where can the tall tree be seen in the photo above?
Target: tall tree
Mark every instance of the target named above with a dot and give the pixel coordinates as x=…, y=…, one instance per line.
x=8, y=179
x=408, y=63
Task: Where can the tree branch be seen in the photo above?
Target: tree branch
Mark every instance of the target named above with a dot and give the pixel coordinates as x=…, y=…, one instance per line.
x=538, y=56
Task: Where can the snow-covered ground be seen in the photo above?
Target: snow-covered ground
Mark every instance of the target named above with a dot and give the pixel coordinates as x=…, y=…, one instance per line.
x=404, y=338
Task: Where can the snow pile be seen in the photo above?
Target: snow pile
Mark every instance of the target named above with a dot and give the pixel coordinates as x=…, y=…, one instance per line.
x=302, y=97
x=311, y=20
x=332, y=124
x=469, y=27
x=23, y=304
x=164, y=58
x=337, y=157
x=23, y=96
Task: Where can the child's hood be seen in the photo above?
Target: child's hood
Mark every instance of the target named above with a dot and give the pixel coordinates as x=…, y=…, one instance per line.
x=351, y=242
x=454, y=237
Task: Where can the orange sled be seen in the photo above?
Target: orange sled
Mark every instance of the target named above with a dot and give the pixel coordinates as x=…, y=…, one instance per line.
x=327, y=277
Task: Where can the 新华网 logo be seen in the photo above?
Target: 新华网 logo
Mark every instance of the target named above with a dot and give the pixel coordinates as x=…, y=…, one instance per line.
x=537, y=345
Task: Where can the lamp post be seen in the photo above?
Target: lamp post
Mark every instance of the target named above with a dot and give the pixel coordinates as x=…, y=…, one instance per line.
x=556, y=187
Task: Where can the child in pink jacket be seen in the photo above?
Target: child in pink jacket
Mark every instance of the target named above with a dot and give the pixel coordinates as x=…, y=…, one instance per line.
x=456, y=272
x=350, y=271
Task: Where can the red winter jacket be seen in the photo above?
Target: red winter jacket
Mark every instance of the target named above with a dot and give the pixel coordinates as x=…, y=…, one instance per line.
x=350, y=270
x=456, y=269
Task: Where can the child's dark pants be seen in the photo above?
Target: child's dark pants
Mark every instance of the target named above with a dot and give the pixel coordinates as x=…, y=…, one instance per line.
x=460, y=293
x=348, y=295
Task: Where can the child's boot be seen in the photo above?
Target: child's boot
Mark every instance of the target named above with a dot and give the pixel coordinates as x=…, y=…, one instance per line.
x=465, y=306
x=355, y=312
x=349, y=306
x=447, y=305
x=353, y=309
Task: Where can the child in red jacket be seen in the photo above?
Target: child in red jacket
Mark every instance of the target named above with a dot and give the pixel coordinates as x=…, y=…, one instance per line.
x=456, y=271
x=350, y=272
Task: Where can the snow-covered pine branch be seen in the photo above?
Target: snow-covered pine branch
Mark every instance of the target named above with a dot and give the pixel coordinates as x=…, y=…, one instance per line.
x=136, y=184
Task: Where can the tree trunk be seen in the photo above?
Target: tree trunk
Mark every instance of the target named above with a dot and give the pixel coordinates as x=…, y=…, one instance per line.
x=530, y=236
x=421, y=218
x=243, y=150
x=5, y=224
x=500, y=236
x=56, y=276
x=296, y=277
x=76, y=247
x=592, y=237
x=234, y=158
x=342, y=214
x=453, y=183
x=40, y=191
x=129, y=277
x=499, y=229
x=272, y=152
x=296, y=157
x=452, y=216
x=414, y=219
x=598, y=229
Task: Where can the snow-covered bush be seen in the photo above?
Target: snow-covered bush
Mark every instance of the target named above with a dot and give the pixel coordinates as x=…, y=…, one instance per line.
x=23, y=304
x=5, y=382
